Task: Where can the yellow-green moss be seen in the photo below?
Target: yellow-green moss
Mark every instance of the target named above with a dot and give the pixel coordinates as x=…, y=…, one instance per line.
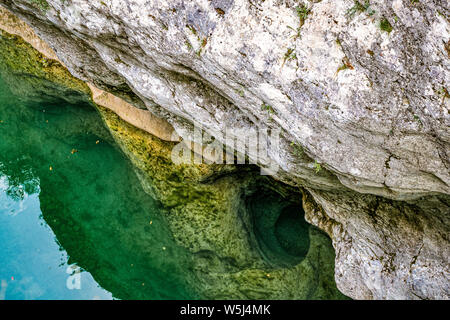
x=180, y=188
x=20, y=57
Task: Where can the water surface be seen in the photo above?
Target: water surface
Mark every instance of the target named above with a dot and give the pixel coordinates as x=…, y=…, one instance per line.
x=64, y=181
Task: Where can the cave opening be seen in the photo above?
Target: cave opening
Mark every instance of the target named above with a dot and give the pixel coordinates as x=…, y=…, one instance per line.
x=278, y=227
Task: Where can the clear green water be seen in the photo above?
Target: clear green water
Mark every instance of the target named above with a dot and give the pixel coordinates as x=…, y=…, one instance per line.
x=63, y=181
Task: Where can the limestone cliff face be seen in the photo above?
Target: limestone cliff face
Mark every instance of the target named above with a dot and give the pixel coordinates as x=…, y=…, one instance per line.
x=359, y=87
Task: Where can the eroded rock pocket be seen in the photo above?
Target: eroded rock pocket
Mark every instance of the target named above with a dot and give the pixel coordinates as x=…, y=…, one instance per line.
x=278, y=227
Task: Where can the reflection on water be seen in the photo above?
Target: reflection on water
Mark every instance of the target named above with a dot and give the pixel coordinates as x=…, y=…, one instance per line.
x=33, y=265
x=63, y=181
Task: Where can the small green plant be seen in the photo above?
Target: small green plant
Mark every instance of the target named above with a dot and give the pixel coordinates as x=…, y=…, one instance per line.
x=303, y=11
x=297, y=32
x=46, y=62
x=201, y=41
x=443, y=92
x=189, y=45
x=268, y=108
x=342, y=67
x=203, y=44
x=298, y=149
x=385, y=25
x=40, y=4
x=345, y=65
x=317, y=167
x=289, y=55
x=359, y=8
x=417, y=119
x=192, y=29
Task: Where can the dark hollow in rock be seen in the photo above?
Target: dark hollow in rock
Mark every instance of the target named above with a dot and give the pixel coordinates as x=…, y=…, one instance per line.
x=279, y=227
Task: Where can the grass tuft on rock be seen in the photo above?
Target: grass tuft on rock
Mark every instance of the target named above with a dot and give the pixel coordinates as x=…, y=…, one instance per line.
x=385, y=25
x=40, y=4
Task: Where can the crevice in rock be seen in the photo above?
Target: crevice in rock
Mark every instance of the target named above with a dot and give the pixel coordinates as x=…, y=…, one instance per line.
x=277, y=226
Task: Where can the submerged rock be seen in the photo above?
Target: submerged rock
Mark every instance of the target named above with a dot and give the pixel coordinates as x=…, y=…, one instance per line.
x=208, y=213
x=359, y=92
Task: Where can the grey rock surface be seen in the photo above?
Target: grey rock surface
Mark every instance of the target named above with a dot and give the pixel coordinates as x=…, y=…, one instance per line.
x=385, y=249
x=360, y=89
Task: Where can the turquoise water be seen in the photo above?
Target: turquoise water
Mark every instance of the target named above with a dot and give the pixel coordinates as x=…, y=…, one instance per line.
x=33, y=265
x=64, y=181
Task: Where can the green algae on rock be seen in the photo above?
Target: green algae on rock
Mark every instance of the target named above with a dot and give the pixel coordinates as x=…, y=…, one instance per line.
x=41, y=76
x=207, y=213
